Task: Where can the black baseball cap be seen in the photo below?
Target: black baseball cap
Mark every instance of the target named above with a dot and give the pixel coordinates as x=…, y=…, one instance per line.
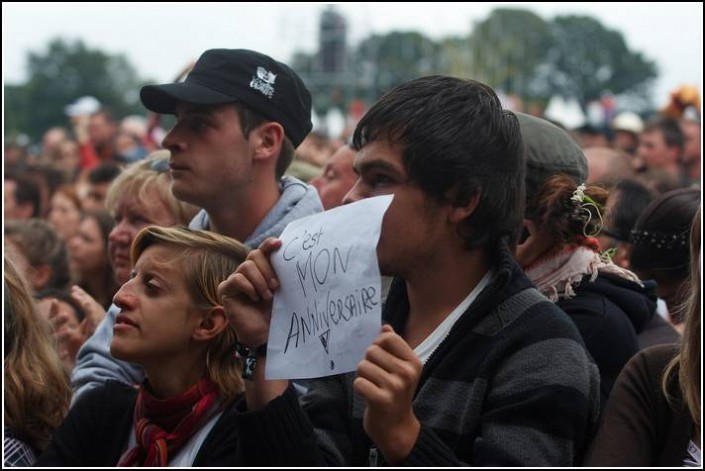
x=221, y=76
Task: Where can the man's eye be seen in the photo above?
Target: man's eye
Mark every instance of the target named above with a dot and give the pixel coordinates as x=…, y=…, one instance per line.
x=197, y=124
x=380, y=179
x=151, y=286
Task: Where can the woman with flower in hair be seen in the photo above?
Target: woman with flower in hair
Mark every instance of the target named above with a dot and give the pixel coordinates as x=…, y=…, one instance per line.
x=171, y=324
x=561, y=255
x=653, y=417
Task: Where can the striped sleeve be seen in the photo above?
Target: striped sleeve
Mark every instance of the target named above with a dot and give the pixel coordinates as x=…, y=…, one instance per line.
x=540, y=406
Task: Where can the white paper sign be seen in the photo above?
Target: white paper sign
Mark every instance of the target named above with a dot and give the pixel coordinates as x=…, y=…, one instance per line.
x=328, y=308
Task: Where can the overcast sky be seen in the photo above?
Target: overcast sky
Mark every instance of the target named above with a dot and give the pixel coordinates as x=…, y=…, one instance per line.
x=160, y=39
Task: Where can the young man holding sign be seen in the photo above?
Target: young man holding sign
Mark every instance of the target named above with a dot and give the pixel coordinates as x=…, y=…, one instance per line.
x=473, y=366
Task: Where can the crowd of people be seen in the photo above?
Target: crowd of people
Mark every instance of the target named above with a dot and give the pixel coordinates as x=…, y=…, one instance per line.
x=542, y=304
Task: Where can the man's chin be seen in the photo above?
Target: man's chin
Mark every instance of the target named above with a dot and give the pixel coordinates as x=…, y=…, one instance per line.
x=384, y=269
x=119, y=352
x=181, y=192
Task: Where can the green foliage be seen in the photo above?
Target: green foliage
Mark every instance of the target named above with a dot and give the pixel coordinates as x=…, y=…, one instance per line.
x=513, y=50
x=378, y=64
x=507, y=50
x=323, y=87
x=574, y=56
x=17, y=110
x=455, y=57
x=587, y=60
x=391, y=59
x=65, y=72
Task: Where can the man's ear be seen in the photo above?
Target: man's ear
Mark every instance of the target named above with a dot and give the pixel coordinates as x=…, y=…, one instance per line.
x=268, y=141
x=213, y=321
x=460, y=211
x=537, y=242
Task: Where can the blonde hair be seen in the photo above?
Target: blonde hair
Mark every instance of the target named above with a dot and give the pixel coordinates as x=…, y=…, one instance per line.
x=140, y=177
x=37, y=391
x=687, y=363
x=206, y=259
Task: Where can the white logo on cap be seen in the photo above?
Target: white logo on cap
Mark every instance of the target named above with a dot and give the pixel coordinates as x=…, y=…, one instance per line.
x=264, y=82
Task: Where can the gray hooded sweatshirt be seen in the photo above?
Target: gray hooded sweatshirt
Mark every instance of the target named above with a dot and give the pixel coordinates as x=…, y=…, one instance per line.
x=95, y=365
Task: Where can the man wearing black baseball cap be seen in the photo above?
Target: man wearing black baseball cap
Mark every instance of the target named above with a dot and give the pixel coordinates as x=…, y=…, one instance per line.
x=239, y=116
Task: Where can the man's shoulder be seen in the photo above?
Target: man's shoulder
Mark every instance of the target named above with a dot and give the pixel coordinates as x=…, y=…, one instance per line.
x=524, y=311
x=297, y=200
x=517, y=298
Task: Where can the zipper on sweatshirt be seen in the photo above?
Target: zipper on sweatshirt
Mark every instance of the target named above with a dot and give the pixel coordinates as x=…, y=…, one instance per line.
x=373, y=457
x=489, y=293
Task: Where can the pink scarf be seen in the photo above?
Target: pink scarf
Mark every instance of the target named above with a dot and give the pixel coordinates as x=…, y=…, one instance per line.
x=557, y=273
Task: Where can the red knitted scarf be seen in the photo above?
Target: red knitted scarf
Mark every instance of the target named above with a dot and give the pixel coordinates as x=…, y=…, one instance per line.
x=163, y=426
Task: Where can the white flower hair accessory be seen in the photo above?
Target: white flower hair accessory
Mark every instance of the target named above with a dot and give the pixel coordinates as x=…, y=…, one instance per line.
x=579, y=194
x=583, y=203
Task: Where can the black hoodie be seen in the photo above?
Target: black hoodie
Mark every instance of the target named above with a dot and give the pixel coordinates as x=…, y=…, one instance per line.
x=610, y=313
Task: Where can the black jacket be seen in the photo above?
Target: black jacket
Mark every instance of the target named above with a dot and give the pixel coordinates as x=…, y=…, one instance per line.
x=97, y=427
x=610, y=313
x=511, y=385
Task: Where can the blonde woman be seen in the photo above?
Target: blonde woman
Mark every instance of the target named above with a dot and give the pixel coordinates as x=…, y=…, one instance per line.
x=172, y=325
x=653, y=416
x=138, y=198
x=37, y=392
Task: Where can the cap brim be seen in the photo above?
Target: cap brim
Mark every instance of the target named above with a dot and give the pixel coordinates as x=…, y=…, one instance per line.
x=163, y=98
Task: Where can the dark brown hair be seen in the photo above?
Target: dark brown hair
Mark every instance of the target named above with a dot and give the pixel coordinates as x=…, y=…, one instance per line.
x=554, y=208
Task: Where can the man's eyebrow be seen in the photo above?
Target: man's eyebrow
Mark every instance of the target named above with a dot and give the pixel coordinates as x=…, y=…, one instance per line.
x=192, y=110
x=374, y=165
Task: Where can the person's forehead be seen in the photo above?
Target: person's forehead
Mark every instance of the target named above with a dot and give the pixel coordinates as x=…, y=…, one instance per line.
x=342, y=159
x=182, y=107
x=692, y=125
x=162, y=257
x=64, y=307
x=380, y=152
x=99, y=118
x=652, y=134
x=99, y=188
x=149, y=203
x=90, y=224
x=186, y=109
x=692, y=130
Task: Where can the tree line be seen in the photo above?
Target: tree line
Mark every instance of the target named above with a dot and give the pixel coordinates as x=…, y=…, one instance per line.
x=513, y=50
